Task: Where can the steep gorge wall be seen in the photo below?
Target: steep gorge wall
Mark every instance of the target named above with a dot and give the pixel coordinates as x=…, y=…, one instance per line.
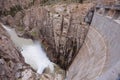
x=12, y=65
x=99, y=55
x=60, y=28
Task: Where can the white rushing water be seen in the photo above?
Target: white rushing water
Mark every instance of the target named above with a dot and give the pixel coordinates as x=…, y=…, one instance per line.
x=31, y=51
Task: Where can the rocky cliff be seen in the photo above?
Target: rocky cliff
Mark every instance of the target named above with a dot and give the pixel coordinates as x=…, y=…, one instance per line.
x=12, y=65
x=60, y=28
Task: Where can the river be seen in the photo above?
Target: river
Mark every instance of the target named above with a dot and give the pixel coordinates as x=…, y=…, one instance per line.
x=31, y=50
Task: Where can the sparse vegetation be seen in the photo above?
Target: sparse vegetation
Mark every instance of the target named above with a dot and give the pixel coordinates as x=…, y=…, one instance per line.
x=12, y=11
x=33, y=33
x=48, y=2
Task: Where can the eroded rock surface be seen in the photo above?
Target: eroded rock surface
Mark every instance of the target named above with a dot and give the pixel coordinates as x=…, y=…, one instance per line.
x=13, y=67
x=60, y=28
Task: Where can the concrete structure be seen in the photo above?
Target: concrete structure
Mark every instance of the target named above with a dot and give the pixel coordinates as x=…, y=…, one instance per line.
x=99, y=57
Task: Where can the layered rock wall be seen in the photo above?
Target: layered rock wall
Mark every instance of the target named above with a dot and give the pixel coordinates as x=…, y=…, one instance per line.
x=12, y=65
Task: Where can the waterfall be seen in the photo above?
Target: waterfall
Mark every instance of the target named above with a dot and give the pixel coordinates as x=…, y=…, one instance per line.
x=31, y=51
x=19, y=42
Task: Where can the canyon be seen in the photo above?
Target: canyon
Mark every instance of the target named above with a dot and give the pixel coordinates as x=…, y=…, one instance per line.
x=80, y=49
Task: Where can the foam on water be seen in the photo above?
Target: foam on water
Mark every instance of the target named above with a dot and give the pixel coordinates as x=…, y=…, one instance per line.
x=31, y=51
x=36, y=57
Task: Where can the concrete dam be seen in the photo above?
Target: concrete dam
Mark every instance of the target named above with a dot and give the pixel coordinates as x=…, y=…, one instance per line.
x=99, y=57
x=79, y=51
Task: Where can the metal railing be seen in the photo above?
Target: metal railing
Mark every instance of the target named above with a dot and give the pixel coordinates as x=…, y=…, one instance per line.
x=114, y=7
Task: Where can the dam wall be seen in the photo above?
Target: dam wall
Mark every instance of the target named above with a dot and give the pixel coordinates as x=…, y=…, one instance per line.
x=109, y=29
x=99, y=57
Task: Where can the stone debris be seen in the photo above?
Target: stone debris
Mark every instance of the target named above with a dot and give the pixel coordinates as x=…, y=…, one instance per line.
x=59, y=27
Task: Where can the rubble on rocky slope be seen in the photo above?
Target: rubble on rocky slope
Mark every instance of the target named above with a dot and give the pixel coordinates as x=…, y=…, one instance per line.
x=59, y=27
x=13, y=67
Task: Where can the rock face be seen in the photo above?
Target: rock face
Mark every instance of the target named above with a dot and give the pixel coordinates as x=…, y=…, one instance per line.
x=11, y=7
x=108, y=2
x=62, y=31
x=60, y=28
x=12, y=65
x=69, y=31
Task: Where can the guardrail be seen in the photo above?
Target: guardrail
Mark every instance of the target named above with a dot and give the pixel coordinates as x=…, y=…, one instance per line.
x=112, y=11
x=114, y=7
